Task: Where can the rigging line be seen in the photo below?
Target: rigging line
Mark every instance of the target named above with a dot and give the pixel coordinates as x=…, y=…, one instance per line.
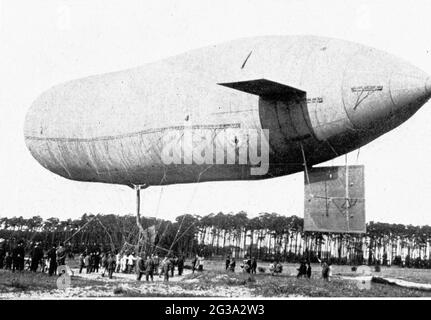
x=305, y=163
x=156, y=229
x=332, y=147
x=109, y=235
x=188, y=205
x=132, y=245
x=336, y=153
x=130, y=234
x=85, y=224
x=160, y=197
x=158, y=204
x=184, y=232
x=163, y=234
x=161, y=190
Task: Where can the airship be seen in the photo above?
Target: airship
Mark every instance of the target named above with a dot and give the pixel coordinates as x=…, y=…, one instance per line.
x=308, y=99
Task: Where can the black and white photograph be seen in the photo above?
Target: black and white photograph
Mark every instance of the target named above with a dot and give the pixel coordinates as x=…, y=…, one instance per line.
x=221, y=150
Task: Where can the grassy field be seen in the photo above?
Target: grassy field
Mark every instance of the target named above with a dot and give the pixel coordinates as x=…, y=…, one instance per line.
x=28, y=282
x=213, y=282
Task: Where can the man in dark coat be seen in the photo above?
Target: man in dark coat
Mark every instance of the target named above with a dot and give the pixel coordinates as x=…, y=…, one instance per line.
x=232, y=265
x=302, y=271
x=61, y=255
x=140, y=268
x=2, y=252
x=173, y=262
x=180, y=264
x=247, y=265
x=18, y=257
x=36, y=257
x=325, y=271
x=8, y=261
x=308, y=270
x=96, y=261
x=227, y=262
x=156, y=260
x=166, y=267
x=52, y=256
x=149, y=269
x=81, y=262
x=253, y=265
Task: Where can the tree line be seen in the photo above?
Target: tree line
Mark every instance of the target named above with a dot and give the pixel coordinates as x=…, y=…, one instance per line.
x=268, y=236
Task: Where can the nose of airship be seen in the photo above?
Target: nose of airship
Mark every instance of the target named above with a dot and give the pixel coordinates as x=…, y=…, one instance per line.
x=382, y=91
x=428, y=86
x=409, y=90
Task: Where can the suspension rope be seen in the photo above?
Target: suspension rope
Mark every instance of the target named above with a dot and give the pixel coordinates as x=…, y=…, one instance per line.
x=85, y=224
x=188, y=205
x=109, y=235
x=305, y=163
x=161, y=237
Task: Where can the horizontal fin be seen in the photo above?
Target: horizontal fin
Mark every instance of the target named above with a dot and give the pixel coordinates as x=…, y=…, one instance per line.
x=264, y=88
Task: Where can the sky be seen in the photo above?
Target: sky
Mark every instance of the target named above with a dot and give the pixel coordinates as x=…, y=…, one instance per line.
x=43, y=43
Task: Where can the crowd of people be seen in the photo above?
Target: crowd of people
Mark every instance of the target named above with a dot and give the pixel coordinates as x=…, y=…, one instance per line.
x=249, y=265
x=93, y=260
x=13, y=257
x=129, y=262
x=275, y=267
x=304, y=269
x=31, y=256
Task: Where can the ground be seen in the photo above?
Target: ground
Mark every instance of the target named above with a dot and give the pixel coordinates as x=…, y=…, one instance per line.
x=214, y=281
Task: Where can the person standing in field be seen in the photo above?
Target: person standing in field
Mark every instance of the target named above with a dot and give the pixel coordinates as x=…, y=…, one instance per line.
x=166, y=265
x=92, y=261
x=117, y=262
x=2, y=252
x=232, y=265
x=253, y=265
x=61, y=255
x=18, y=257
x=173, y=262
x=200, y=263
x=194, y=263
x=140, y=268
x=329, y=271
x=131, y=262
x=247, y=265
x=52, y=256
x=149, y=268
x=8, y=261
x=81, y=261
x=104, y=264
x=124, y=262
x=308, y=270
x=87, y=261
x=180, y=264
x=36, y=256
x=156, y=261
x=111, y=265
x=96, y=261
x=325, y=271
x=302, y=271
x=227, y=262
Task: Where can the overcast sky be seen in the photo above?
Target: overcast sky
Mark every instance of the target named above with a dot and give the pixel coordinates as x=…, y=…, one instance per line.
x=43, y=43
